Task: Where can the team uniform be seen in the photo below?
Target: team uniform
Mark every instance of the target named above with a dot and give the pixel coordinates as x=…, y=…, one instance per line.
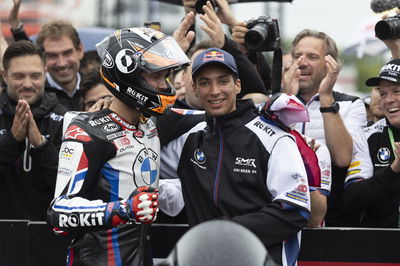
x=236, y=166
x=371, y=187
x=103, y=159
x=28, y=174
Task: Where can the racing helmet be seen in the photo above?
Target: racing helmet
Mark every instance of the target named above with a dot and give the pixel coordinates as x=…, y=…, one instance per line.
x=126, y=53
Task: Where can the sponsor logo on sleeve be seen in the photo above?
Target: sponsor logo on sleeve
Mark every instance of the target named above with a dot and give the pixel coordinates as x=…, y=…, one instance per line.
x=264, y=127
x=81, y=219
x=199, y=158
x=383, y=155
x=110, y=127
x=76, y=133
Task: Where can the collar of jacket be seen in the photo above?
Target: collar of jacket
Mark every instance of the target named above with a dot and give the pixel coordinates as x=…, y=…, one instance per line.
x=39, y=109
x=245, y=111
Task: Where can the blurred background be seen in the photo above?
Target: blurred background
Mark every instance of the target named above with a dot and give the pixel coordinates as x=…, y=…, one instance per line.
x=349, y=23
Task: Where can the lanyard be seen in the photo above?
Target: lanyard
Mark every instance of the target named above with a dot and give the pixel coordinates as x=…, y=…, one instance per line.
x=392, y=141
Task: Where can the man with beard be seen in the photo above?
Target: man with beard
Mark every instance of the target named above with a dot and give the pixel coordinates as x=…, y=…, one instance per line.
x=334, y=116
x=30, y=135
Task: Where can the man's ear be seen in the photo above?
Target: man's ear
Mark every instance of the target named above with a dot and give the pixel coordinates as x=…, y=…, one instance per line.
x=238, y=86
x=3, y=74
x=196, y=91
x=81, y=51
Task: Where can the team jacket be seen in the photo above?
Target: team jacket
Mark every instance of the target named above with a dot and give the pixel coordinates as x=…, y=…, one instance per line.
x=371, y=186
x=352, y=111
x=27, y=174
x=103, y=159
x=240, y=167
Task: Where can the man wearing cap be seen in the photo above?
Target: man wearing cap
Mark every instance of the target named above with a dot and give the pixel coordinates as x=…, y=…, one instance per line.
x=231, y=166
x=372, y=185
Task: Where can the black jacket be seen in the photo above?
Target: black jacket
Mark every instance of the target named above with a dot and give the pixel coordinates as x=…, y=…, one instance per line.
x=224, y=168
x=28, y=175
x=73, y=103
x=372, y=188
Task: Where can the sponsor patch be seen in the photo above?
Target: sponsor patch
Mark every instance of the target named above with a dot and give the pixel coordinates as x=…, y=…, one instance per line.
x=264, y=127
x=383, y=155
x=353, y=172
x=81, y=219
x=354, y=164
x=110, y=127
x=77, y=133
x=108, y=61
x=295, y=197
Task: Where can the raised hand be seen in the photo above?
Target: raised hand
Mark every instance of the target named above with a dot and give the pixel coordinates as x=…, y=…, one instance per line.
x=33, y=133
x=213, y=26
x=290, y=75
x=13, y=16
x=225, y=13
x=332, y=73
x=182, y=34
x=19, y=127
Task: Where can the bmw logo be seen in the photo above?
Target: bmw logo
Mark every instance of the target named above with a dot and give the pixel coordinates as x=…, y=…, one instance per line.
x=199, y=156
x=384, y=155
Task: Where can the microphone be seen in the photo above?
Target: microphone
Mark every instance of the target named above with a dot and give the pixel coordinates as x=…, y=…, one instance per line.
x=379, y=6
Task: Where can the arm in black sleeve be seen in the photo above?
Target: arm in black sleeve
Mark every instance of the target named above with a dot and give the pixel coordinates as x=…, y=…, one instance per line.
x=10, y=148
x=20, y=34
x=250, y=79
x=273, y=224
x=364, y=193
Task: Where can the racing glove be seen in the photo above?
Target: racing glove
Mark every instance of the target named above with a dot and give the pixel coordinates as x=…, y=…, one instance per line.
x=140, y=207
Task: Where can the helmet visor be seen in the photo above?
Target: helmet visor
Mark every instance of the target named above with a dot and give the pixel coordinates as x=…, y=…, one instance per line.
x=164, y=54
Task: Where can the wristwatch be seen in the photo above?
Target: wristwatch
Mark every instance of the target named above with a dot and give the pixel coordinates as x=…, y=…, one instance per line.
x=334, y=108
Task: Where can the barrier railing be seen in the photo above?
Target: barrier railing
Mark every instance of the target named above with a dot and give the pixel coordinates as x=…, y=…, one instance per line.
x=33, y=243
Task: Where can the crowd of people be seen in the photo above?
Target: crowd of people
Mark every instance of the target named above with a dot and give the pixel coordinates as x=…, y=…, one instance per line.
x=182, y=130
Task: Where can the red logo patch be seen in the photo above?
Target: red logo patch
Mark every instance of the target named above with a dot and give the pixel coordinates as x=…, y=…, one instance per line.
x=75, y=132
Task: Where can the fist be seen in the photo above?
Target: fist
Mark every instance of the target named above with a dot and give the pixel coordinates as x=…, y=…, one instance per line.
x=142, y=205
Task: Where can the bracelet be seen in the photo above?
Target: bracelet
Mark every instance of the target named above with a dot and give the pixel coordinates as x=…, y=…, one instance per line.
x=20, y=28
x=41, y=144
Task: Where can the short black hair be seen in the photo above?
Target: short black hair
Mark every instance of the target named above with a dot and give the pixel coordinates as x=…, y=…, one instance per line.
x=21, y=48
x=89, y=81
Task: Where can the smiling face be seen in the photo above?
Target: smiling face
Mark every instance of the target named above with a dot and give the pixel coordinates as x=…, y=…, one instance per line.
x=390, y=101
x=25, y=78
x=312, y=67
x=216, y=88
x=62, y=60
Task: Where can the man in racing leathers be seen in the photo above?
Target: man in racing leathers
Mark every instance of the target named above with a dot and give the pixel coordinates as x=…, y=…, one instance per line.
x=372, y=185
x=109, y=160
x=231, y=165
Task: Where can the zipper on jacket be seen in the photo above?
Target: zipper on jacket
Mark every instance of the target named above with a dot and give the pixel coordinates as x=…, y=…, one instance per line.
x=219, y=165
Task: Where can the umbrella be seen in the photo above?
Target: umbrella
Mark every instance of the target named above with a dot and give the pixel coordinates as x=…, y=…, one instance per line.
x=179, y=2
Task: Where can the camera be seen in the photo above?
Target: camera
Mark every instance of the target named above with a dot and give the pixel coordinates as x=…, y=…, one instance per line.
x=200, y=3
x=388, y=28
x=263, y=34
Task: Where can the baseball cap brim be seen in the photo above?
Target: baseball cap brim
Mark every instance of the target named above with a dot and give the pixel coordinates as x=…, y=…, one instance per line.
x=197, y=70
x=373, y=82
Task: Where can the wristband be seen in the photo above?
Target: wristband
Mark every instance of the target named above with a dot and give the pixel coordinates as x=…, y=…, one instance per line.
x=41, y=144
x=19, y=29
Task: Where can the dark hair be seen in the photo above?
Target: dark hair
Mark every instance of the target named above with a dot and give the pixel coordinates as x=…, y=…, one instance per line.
x=89, y=81
x=88, y=57
x=203, y=45
x=56, y=29
x=21, y=48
